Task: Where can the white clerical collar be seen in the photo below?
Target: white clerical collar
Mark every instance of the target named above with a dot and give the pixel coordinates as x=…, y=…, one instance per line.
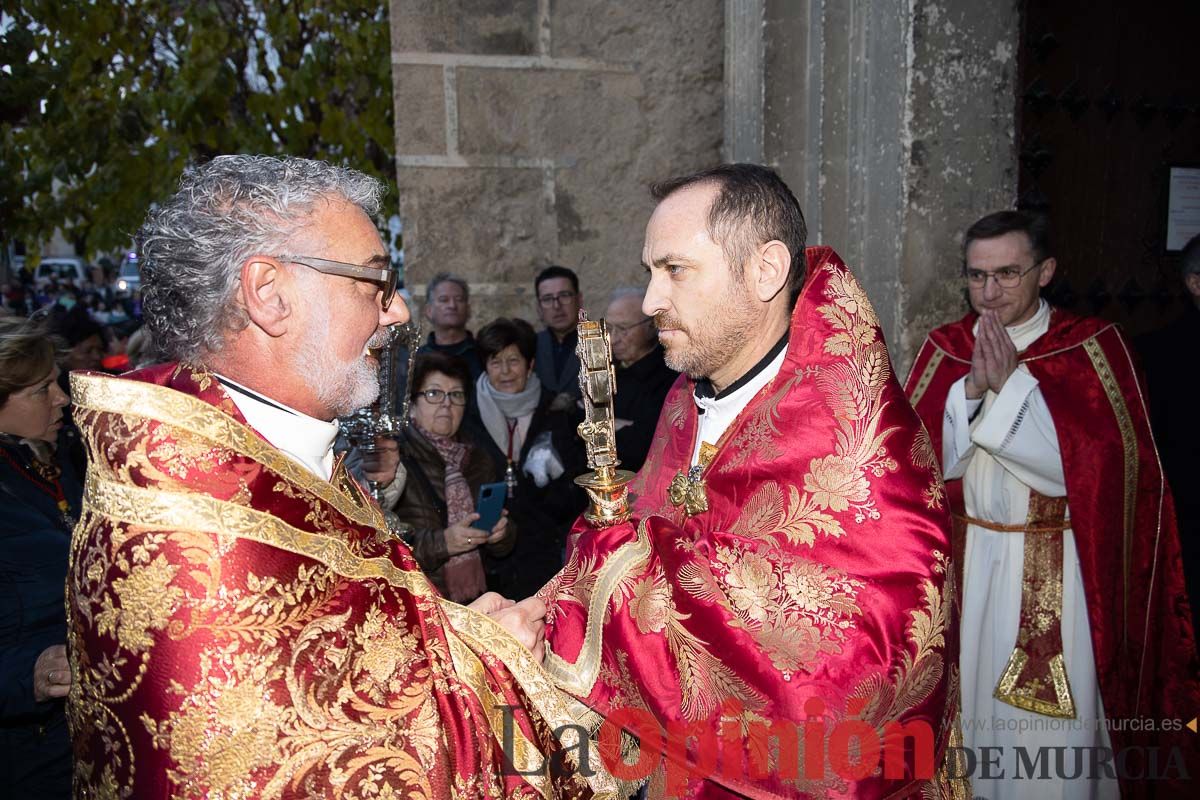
x=306, y=440
x=717, y=411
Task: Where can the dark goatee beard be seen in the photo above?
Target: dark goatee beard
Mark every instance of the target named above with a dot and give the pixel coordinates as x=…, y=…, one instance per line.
x=662, y=321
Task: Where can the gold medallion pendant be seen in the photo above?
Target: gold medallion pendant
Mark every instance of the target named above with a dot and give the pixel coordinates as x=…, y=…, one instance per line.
x=687, y=490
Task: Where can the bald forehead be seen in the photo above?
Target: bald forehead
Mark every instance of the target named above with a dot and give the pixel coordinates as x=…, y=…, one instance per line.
x=679, y=230
x=625, y=309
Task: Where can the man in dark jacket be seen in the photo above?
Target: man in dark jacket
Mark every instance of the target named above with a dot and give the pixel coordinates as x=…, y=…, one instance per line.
x=447, y=310
x=559, y=300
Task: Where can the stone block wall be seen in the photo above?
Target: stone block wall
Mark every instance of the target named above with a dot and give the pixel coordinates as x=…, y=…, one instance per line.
x=894, y=123
x=528, y=131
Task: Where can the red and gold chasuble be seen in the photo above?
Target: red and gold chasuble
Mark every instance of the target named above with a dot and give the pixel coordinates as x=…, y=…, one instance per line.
x=1123, y=520
x=238, y=629
x=813, y=593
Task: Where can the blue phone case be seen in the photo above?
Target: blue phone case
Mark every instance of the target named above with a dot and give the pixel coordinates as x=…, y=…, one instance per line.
x=489, y=504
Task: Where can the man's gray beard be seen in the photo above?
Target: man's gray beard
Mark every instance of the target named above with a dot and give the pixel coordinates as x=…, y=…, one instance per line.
x=341, y=388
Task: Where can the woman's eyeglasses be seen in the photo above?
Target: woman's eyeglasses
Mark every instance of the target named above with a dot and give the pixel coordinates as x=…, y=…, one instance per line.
x=435, y=396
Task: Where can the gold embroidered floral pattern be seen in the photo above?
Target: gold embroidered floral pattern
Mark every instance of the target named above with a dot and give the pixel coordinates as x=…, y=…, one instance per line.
x=705, y=680
x=836, y=482
x=144, y=602
x=918, y=673
x=796, y=609
x=852, y=390
x=757, y=437
x=650, y=605
x=796, y=518
x=923, y=457
x=180, y=456
x=386, y=651
x=224, y=733
x=221, y=650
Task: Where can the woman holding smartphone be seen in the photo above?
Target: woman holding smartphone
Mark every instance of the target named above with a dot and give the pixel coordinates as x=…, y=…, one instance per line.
x=445, y=470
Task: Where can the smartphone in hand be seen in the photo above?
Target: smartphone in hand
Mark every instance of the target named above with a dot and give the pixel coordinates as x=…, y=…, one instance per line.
x=489, y=504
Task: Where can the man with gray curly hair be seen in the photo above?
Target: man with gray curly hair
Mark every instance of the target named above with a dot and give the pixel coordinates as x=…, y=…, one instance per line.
x=240, y=622
x=222, y=259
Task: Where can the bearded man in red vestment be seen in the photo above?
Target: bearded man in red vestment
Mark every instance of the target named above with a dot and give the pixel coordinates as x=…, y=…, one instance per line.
x=1076, y=632
x=775, y=619
x=240, y=622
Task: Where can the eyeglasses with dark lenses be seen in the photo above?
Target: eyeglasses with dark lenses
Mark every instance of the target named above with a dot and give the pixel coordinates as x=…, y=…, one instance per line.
x=435, y=396
x=385, y=277
x=560, y=299
x=1006, y=277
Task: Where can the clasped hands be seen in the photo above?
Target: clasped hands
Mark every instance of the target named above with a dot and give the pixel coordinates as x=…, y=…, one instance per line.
x=994, y=357
x=525, y=620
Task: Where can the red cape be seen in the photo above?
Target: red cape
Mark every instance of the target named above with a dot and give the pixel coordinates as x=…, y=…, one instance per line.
x=812, y=592
x=1121, y=511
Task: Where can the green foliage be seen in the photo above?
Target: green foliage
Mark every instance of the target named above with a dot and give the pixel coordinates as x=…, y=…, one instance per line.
x=102, y=104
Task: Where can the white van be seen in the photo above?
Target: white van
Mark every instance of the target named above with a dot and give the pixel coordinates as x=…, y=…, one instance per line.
x=62, y=268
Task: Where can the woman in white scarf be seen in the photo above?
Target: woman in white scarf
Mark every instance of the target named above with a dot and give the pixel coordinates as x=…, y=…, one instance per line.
x=508, y=394
x=534, y=441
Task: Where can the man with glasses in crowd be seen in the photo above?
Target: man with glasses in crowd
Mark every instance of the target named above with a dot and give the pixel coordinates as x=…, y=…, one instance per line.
x=239, y=621
x=558, y=297
x=643, y=377
x=1072, y=592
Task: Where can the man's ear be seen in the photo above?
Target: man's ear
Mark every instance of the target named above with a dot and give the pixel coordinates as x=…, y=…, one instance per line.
x=1046, y=273
x=769, y=275
x=262, y=294
x=1192, y=282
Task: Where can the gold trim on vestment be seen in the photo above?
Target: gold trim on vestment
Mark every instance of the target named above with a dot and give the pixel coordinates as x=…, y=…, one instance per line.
x=926, y=378
x=561, y=713
x=128, y=398
x=579, y=678
x=524, y=757
x=1006, y=689
x=1035, y=677
x=203, y=513
x=1130, y=453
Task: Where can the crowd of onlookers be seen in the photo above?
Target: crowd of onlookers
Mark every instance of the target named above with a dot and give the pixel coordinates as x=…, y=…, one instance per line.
x=501, y=405
x=79, y=310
